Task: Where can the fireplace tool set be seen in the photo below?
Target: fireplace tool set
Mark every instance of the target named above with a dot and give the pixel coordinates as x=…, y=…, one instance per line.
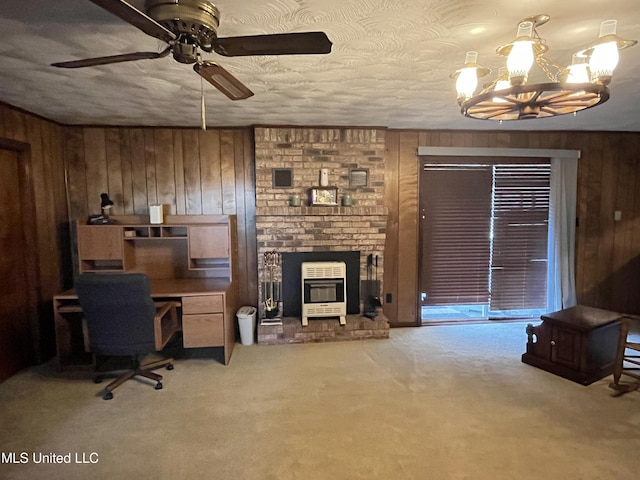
x=372, y=301
x=271, y=287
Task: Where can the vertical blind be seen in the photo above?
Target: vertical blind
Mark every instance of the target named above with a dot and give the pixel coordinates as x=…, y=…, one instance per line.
x=483, y=233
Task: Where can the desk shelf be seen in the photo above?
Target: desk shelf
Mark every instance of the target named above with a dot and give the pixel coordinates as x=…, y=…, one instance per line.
x=137, y=232
x=201, y=247
x=102, y=265
x=177, y=231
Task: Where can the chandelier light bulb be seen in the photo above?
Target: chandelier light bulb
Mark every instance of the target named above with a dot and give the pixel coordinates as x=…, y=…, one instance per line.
x=520, y=59
x=605, y=56
x=467, y=80
x=502, y=83
x=578, y=71
x=503, y=79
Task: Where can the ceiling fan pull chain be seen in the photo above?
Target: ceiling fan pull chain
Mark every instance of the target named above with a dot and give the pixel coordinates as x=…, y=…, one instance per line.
x=203, y=113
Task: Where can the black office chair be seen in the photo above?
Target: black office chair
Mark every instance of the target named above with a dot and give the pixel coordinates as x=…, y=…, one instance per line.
x=123, y=321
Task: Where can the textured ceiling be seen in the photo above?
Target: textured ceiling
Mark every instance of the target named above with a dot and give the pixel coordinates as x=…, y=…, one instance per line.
x=389, y=66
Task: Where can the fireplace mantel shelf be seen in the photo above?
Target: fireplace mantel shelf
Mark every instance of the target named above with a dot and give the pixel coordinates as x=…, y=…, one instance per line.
x=324, y=210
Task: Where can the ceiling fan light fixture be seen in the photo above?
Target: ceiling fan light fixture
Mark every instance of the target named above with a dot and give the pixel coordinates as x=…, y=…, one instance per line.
x=198, y=19
x=185, y=51
x=581, y=85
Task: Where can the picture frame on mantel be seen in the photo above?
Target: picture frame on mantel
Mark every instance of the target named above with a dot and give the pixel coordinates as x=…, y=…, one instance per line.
x=282, y=177
x=323, y=196
x=358, y=177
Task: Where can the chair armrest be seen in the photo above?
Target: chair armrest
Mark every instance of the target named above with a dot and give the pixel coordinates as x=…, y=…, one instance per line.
x=165, y=323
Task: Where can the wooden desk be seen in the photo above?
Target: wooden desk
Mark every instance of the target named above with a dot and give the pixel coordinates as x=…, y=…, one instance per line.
x=207, y=317
x=577, y=343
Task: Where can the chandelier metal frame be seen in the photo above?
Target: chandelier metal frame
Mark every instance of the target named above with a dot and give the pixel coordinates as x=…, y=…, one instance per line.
x=537, y=100
x=523, y=101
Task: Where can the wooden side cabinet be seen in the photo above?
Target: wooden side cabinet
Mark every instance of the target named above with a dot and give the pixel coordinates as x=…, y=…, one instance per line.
x=578, y=343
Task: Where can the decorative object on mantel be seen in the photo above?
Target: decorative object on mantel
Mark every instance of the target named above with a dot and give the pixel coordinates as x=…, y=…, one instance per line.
x=271, y=288
x=327, y=196
x=324, y=177
x=347, y=201
x=579, y=86
x=282, y=177
x=358, y=177
x=294, y=200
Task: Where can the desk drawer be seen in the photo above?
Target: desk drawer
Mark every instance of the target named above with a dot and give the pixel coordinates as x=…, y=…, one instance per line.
x=202, y=304
x=205, y=330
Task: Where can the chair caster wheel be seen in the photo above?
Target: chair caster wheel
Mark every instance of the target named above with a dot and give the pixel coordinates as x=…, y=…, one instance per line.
x=97, y=380
x=170, y=367
x=107, y=396
x=158, y=386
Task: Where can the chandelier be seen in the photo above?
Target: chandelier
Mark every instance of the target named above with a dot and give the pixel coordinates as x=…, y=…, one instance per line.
x=581, y=85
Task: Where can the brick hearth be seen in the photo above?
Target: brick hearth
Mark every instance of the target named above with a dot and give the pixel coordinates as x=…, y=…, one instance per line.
x=323, y=330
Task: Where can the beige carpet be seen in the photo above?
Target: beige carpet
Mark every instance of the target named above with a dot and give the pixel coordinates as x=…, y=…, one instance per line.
x=448, y=402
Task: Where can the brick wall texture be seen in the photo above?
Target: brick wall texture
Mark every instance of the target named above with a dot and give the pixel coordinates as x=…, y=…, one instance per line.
x=306, y=151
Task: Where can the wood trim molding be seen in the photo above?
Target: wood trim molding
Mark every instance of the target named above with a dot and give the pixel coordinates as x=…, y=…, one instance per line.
x=14, y=145
x=497, y=152
x=27, y=199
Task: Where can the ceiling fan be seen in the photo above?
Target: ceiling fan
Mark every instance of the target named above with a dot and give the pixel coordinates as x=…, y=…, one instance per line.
x=188, y=26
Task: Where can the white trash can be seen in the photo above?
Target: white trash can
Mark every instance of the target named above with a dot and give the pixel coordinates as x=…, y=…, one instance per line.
x=247, y=323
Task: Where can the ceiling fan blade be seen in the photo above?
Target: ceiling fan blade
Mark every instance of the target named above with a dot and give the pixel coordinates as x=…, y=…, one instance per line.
x=127, y=57
x=135, y=17
x=222, y=80
x=276, y=44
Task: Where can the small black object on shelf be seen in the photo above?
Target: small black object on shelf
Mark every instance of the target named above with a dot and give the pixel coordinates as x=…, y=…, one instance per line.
x=105, y=205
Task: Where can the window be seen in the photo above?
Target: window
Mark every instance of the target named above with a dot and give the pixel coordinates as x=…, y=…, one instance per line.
x=484, y=229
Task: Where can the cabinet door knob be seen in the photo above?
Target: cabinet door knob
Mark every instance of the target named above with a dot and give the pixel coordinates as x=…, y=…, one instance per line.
x=553, y=343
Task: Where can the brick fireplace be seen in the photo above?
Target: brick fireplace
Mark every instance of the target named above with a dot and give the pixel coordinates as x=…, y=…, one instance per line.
x=328, y=228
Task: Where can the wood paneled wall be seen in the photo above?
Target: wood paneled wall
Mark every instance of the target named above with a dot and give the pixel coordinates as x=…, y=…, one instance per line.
x=40, y=145
x=190, y=172
x=212, y=172
x=607, y=251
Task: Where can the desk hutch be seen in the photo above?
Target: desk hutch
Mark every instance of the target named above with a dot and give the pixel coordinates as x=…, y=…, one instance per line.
x=188, y=259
